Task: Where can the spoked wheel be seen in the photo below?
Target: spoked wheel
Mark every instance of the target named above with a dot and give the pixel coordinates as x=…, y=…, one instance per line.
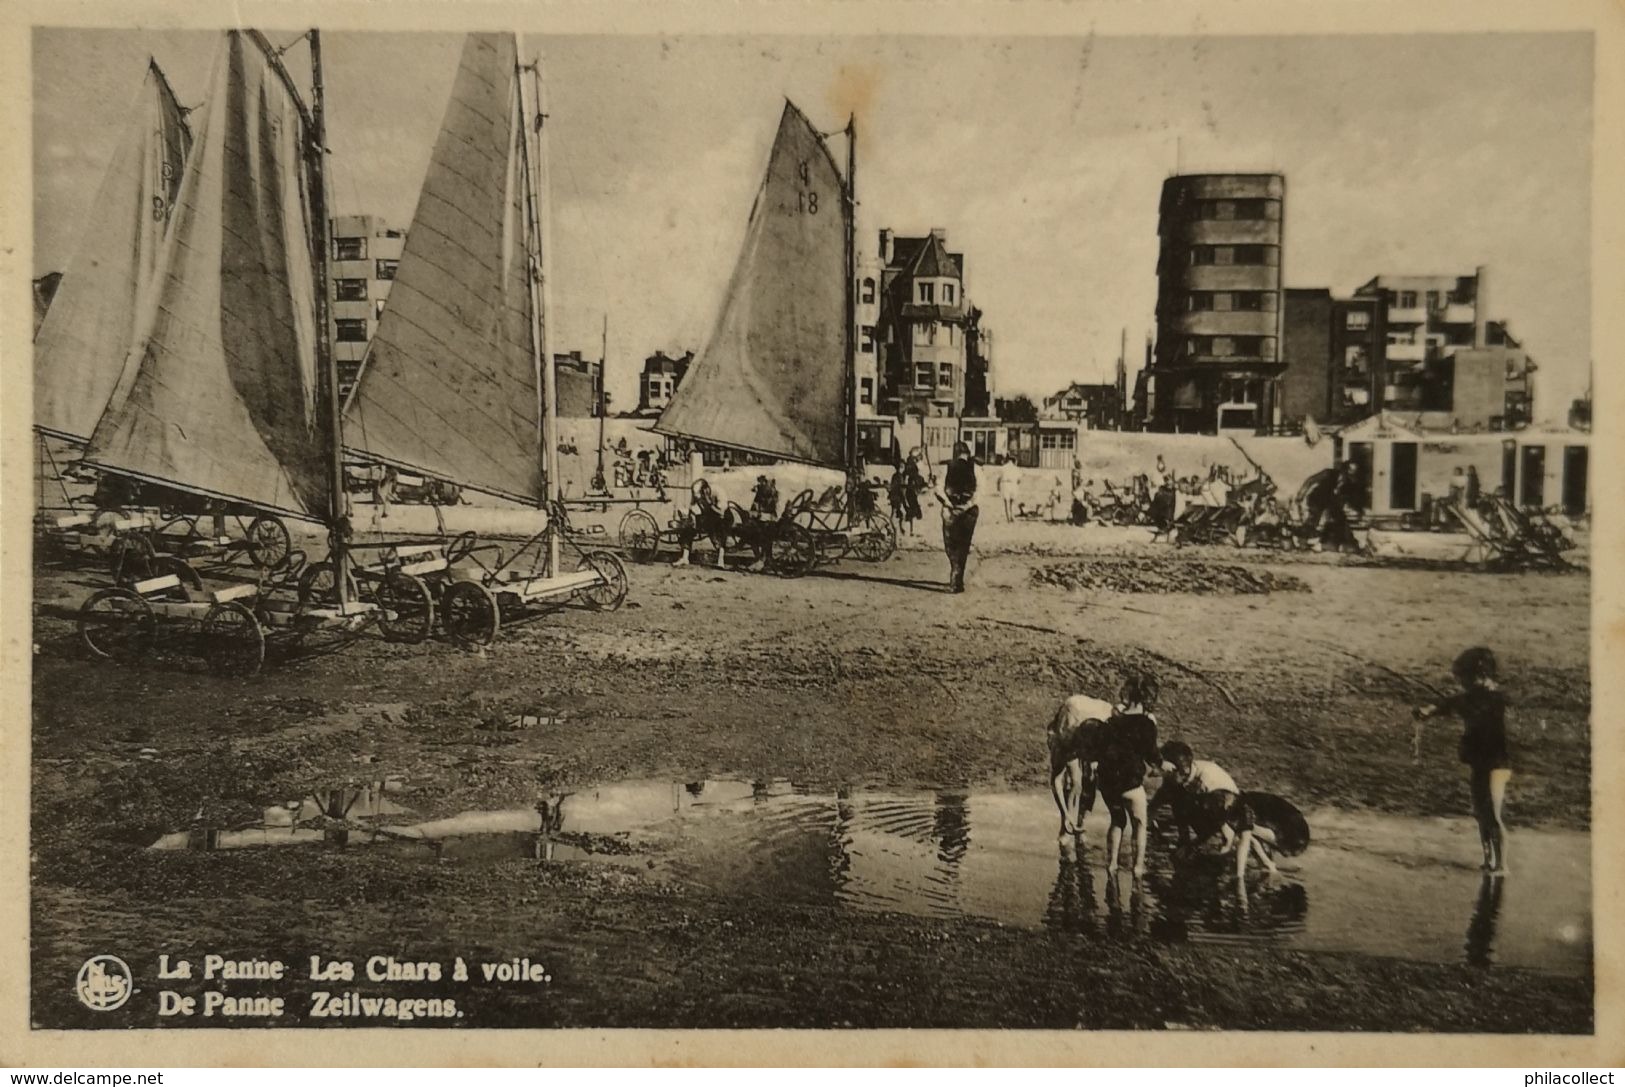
x=406, y=608
x=116, y=624
x=268, y=541
x=231, y=640
x=318, y=586
x=610, y=590
x=875, y=538
x=469, y=614
x=795, y=551
x=640, y=536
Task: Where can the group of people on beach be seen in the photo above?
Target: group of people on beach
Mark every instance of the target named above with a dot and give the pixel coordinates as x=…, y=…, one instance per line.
x=1110, y=749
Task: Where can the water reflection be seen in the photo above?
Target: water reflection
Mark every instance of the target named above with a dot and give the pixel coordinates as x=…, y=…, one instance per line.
x=1381, y=884
x=1071, y=906
x=1486, y=916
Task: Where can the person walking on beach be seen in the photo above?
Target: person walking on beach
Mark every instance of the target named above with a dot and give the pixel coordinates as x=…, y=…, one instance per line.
x=959, y=512
x=1482, y=708
x=1009, y=485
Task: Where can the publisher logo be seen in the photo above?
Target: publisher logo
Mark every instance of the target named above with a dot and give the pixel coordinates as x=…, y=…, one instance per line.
x=104, y=983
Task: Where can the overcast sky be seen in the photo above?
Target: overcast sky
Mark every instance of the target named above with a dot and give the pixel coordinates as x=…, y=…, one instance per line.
x=1042, y=157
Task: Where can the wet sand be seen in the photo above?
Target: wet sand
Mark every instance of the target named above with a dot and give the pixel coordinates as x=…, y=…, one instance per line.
x=861, y=678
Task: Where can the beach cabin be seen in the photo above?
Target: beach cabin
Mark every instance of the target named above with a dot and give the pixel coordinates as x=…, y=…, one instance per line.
x=1403, y=468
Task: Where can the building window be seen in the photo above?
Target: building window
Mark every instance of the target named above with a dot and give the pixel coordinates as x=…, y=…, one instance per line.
x=1252, y=209
x=1195, y=345
x=1406, y=300
x=953, y=335
x=866, y=339
x=1250, y=254
x=349, y=248
x=931, y=333
x=1198, y=301
x=385, y=269
x=1356, y=358
x=350, y=290
x=928, y=293
x=1357, y=320
x=945, y=375
x=1434, y=302
x=1224, y=254
x=866, y=391
x=654, y=388
x=947, y=294
x=1202, y=254
x=350, y=329
x=1253, y=301
x=868, y=291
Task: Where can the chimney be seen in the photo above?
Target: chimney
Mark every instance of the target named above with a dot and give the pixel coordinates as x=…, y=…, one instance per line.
x=885, y=247
x=1481, y=308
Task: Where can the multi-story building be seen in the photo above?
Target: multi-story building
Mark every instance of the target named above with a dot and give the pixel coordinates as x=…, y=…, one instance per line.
x=920, y=331
x=1426, y=319
x=579, y=385
x=661, y=375
x=366, y=252
x=1420, y=346
x=1218, y=360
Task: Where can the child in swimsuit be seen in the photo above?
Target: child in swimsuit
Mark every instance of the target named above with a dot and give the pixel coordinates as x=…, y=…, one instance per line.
x=1482, y=707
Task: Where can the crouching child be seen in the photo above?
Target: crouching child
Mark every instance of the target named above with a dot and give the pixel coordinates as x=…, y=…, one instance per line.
x=1206, y=801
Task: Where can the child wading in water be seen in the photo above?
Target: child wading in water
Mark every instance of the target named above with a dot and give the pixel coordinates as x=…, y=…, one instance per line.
x=1482, y=707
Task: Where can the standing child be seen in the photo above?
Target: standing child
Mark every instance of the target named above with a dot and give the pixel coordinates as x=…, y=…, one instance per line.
x=1127, y=751
x=1482, y=707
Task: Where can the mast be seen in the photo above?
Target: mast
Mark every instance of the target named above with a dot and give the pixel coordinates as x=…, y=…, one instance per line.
x=603, y=404
x=541, y=324
x=326, y=372
x=851, y=292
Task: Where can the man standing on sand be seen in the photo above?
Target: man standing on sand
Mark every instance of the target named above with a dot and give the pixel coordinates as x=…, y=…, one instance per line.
x=959, y=512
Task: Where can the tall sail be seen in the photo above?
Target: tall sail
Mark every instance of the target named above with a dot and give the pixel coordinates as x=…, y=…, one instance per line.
x=91, y=324
x=772, y=379
x=450, y=386
x=220, y=395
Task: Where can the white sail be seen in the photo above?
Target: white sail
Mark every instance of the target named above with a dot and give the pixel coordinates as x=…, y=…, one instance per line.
x=220, y=395
x=92, y=321
x=772, y=378
x=450, y=386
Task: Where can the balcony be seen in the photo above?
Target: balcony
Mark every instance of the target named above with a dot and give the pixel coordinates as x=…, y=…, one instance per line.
x=1227, y=322
x=1458, y=313
x=1231, y=277
x=1406, y=352
x=1407, y=315
x=1233, y=232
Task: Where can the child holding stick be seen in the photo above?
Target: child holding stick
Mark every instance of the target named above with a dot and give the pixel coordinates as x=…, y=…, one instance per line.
x=1482, y=706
